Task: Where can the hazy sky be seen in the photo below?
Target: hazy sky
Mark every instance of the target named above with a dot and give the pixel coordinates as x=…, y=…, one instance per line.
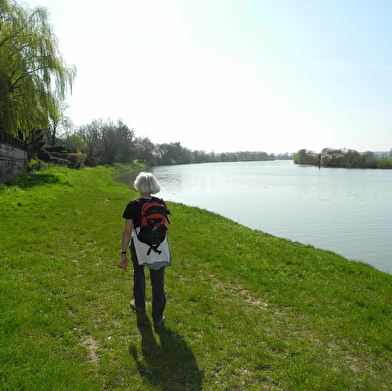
x=231, y=75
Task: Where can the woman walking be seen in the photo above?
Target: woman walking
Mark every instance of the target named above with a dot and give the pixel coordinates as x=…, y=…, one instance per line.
x=147, y=185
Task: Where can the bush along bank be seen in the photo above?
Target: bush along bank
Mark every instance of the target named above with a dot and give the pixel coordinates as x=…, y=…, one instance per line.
x=245, y=311
x=343, y=158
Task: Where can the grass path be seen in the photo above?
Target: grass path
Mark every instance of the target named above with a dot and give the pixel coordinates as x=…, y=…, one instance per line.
x=245, y=311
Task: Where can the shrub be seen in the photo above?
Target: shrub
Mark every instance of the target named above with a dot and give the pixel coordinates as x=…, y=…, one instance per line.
x=304, y=156
x=37, y=165
x=384, y=163
x=76, y=160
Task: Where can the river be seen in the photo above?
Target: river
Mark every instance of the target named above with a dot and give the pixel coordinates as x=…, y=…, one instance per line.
x=347, y=211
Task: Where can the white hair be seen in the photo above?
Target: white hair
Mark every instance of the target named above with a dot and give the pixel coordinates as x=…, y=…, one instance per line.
x=146, y=183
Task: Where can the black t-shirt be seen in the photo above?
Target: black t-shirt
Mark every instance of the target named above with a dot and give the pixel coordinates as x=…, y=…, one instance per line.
x=133, y=210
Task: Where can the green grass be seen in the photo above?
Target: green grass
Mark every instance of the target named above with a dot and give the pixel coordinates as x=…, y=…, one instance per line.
x=245, y=310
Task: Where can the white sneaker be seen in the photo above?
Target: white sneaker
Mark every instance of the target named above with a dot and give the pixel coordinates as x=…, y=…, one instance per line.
x=160, y=323
x=137, y=309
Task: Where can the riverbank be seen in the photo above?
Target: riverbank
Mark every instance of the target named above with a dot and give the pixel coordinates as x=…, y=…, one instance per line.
x=245, y=311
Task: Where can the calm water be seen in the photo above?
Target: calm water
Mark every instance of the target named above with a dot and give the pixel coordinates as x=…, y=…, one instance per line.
x=345, y=211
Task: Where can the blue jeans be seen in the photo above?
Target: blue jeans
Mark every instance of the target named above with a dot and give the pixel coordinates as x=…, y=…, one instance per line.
x=139, y=287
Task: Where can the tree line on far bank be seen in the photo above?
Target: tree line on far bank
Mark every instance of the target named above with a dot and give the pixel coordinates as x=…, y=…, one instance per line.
x=107, y=142
x=345, y=158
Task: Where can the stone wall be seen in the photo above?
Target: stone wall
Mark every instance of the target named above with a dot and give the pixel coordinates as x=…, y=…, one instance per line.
x=13, y=162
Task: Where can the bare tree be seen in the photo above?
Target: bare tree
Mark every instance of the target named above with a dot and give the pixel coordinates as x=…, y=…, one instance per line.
x=59, y=124
x=107, y=142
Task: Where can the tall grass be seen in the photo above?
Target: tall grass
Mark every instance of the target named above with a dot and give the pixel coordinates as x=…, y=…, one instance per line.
x=245, y=311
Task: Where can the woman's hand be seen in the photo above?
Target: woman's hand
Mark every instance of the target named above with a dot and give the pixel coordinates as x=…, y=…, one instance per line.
x=126, y=236
x=124, y=261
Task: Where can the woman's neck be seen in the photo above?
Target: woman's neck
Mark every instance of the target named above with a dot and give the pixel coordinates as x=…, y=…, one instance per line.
x=145, y=195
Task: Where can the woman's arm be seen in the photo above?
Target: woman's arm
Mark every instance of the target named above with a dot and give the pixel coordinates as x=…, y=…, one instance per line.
x=126, y=236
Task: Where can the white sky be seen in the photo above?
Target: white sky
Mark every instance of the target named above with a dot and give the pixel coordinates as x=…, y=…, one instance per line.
x=233, y=75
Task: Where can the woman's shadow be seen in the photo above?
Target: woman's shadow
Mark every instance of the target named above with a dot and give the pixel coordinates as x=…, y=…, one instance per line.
x=168, y=362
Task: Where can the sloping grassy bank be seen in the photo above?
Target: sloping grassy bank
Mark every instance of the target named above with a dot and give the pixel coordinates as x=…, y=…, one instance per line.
x=245, y=311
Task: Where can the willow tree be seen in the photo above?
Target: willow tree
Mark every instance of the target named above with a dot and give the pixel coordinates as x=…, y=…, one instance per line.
x=33, y=74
